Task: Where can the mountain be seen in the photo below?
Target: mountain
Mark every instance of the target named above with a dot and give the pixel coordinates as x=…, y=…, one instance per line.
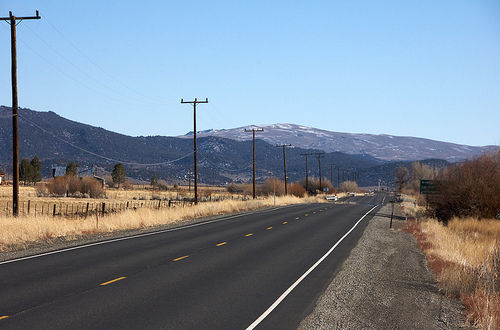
x=57, y=141
x=385, y=147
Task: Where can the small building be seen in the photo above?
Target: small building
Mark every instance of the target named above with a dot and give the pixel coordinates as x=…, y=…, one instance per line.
x=2, y=175
x=82, y=171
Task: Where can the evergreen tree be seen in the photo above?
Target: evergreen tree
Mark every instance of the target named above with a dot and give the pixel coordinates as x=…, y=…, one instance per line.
x=154, y=181
x=26, y=171
x=118, y=175
x=37, y=169
x=72, y=169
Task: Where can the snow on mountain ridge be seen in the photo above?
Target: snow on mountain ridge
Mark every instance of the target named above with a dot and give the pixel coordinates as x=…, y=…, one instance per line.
x=382, y=146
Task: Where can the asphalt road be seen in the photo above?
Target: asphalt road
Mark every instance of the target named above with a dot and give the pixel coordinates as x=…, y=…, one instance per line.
x=220, y=274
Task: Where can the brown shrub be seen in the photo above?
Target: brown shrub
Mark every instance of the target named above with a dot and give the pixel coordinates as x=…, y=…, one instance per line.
x=92, y=187
x=470, y=188
x=296, y=189
x=271, y=185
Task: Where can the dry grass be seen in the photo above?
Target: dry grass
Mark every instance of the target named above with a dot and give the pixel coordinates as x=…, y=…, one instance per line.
x=16, y=231
x=465, y=256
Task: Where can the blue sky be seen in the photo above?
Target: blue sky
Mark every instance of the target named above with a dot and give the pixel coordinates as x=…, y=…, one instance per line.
x=423, y=68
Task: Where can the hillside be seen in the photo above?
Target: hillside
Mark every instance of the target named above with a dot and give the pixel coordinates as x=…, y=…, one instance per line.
x=57, y=140
x=385, y=147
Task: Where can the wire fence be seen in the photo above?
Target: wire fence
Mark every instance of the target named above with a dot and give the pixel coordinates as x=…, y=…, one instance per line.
x=76, y=210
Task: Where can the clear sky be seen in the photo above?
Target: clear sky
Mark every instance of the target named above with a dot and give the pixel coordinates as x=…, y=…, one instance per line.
x=422, y=68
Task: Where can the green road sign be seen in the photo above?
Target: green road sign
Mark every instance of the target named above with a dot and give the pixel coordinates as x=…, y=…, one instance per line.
x=428, y=187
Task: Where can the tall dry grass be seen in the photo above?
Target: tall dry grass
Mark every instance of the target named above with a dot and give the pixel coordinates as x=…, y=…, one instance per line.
x=466, y=257
x=24, y=229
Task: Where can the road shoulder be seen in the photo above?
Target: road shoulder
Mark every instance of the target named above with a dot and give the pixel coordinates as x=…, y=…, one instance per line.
x=385, y=284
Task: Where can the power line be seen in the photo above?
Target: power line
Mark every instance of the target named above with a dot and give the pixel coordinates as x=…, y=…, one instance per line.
x=100, y=156
x=82, y=71
x=99, y=67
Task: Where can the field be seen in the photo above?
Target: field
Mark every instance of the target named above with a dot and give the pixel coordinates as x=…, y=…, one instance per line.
x=125, y=209
x=465, y=256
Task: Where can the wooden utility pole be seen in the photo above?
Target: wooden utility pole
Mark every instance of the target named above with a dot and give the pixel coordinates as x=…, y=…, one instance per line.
x=284, y=164
x=338, y=176
x=320, y=155
x=331, y=173
x=15, y=106
x=195, y=151
x=253, y=130
x=307, y=173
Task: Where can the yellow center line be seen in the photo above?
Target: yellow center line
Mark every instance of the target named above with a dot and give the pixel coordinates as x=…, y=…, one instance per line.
x=285, y=222
x=220, y=244
x=3, y=317
x=180, y=258
x=314, y=212
x=297, y=218
x=248, y=234
x=269, y=228
x=321, y=210
x=307, y=215
x=116, y=279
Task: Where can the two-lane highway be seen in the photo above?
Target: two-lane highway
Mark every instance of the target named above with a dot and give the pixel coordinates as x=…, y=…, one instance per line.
x=258, y=269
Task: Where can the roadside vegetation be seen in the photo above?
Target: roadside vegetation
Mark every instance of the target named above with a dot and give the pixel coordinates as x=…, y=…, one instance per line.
x=459, y=230
x=125, y=208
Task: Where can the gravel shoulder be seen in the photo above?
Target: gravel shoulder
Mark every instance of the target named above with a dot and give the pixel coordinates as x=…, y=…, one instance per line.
x=385, y=284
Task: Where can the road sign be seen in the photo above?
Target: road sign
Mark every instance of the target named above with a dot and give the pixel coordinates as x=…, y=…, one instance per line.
x=428, y=187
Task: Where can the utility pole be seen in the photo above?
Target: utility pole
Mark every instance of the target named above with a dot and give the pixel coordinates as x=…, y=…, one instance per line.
x=284, y=164
x=331, y=173
x=195, y=151
x=15, y=107
x=338, y=176
x=307, y=173
x=319, y=161
x=253, y=130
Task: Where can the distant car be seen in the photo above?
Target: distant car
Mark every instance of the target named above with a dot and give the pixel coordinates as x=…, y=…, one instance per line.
x=398, y=198
x=332, y=198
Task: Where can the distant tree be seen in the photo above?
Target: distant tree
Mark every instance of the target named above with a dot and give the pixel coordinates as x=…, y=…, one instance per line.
x=72, y=169
x=37, y=169
x=26, y=171
x=118, y=175
x=154, y=182
x=402, y=177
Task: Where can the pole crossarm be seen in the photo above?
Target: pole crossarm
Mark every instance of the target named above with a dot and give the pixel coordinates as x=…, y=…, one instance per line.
x=194, y=103
x=253, y=130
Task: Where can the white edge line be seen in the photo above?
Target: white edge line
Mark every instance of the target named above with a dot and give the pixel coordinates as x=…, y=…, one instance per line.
x=290, y=289
x=138, y=235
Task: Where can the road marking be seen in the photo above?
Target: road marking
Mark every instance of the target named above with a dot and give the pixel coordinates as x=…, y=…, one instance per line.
x=3, y=317
x=307, y=215
x=180, y=258
x=247, y=235
x=297, y=218
x=314, y=212
x=220, y=244
x=269, y=228
x=285, y=222
x=294, y=285
x=112, y=281
x=142, y=235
